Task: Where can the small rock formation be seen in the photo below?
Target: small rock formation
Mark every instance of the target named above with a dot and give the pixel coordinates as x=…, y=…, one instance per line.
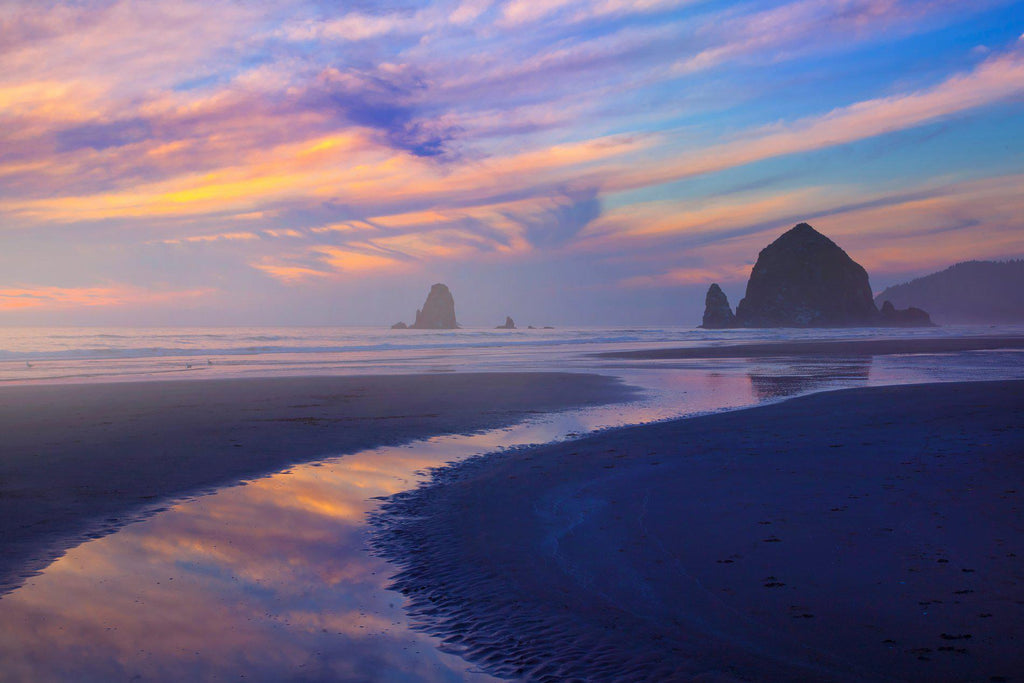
x=804, y=279
x=890, y=316
x=717, y=313
x=971, y=292
x=438, y=312
x=509, y=324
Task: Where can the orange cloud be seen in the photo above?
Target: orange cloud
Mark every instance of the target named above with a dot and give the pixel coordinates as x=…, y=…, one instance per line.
x=687, y=276
x=56, y=298
x=219, y=237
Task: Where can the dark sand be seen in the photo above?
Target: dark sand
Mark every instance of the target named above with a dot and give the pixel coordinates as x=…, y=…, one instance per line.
x=79, y=461
x=860, y=535
x=862, y=347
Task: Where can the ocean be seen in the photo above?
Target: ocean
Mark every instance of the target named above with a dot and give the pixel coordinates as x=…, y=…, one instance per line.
x=100, y=354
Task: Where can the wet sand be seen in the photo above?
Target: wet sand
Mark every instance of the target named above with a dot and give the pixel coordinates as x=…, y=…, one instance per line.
x=859, y=347
x=859, y=535
x=79, y=461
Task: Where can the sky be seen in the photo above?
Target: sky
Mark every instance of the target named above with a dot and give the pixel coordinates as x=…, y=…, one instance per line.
x=565, y=162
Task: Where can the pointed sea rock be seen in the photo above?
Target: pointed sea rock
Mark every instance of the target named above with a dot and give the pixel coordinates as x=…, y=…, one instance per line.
x=509, y=324
x=438, y=312
x=717, y=312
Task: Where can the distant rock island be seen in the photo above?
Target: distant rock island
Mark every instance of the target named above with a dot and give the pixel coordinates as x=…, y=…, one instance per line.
x=438, y=312
x=971, y=292
x=804, y=279
x=509, y=324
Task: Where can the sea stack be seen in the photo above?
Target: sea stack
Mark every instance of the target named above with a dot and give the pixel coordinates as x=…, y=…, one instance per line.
x=717, y=313
x=804, y=279
x=438, y=312
x=509, y=324
x=907, y=317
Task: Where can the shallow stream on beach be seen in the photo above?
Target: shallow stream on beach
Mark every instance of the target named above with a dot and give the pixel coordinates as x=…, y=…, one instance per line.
x=271, y=580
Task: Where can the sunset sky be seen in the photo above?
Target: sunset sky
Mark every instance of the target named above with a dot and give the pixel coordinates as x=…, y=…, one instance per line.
x=560, y=161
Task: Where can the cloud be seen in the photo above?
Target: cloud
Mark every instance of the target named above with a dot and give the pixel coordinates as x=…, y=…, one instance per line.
x=886, y=232
x=795, y=28
x=517, y=13
x=298, y=142
x=62, y=298
x=101, y=136
x=560, y=219
x=997, y=78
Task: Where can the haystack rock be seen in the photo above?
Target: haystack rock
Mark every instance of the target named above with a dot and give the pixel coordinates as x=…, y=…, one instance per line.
x=509, y=324
x=803, y=279
x=717, y=313
x=890, y=316
x=438, y=313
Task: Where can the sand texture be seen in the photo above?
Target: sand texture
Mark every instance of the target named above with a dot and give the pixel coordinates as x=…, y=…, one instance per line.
x=860, y=535
x=857, y=347
x=79, y=461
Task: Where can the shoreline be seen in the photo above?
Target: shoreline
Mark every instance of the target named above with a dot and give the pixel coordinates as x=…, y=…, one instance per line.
x=857, y=347
x=852, y=535
x=82, y=460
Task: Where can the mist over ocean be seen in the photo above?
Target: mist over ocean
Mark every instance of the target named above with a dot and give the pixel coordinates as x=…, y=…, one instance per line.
x=103, y=354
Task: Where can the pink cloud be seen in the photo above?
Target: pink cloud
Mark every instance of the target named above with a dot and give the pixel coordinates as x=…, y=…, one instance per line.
x=60, y=298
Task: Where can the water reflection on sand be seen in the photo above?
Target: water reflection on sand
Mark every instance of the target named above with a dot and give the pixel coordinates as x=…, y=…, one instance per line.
x=272, y=581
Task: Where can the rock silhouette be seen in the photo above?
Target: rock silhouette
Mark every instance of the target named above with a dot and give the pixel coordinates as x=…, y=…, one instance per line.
x=717, y=313
x=906, y=317
x=509, y=324
x=804, y=279
x=971, y=292
x=399, y=326
x=438, y=312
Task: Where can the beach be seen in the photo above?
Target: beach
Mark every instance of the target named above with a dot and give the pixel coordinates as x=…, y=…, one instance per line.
x=233, y=520
x=80, y=461
x=859, y=535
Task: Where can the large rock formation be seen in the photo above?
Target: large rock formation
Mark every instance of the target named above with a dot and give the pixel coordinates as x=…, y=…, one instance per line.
x=438, y=312
x=509, y=324
x=717, y=313
x=804, y=279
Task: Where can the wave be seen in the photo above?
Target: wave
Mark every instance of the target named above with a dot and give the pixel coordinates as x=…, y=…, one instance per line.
x=189, y=351
x=97, y=345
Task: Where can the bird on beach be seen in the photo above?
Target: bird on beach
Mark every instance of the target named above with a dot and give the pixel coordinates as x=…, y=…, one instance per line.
x=27, y=364
x=209, y=362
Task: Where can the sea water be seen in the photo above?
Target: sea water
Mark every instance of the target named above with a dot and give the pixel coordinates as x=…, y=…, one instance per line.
x=91, y=354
